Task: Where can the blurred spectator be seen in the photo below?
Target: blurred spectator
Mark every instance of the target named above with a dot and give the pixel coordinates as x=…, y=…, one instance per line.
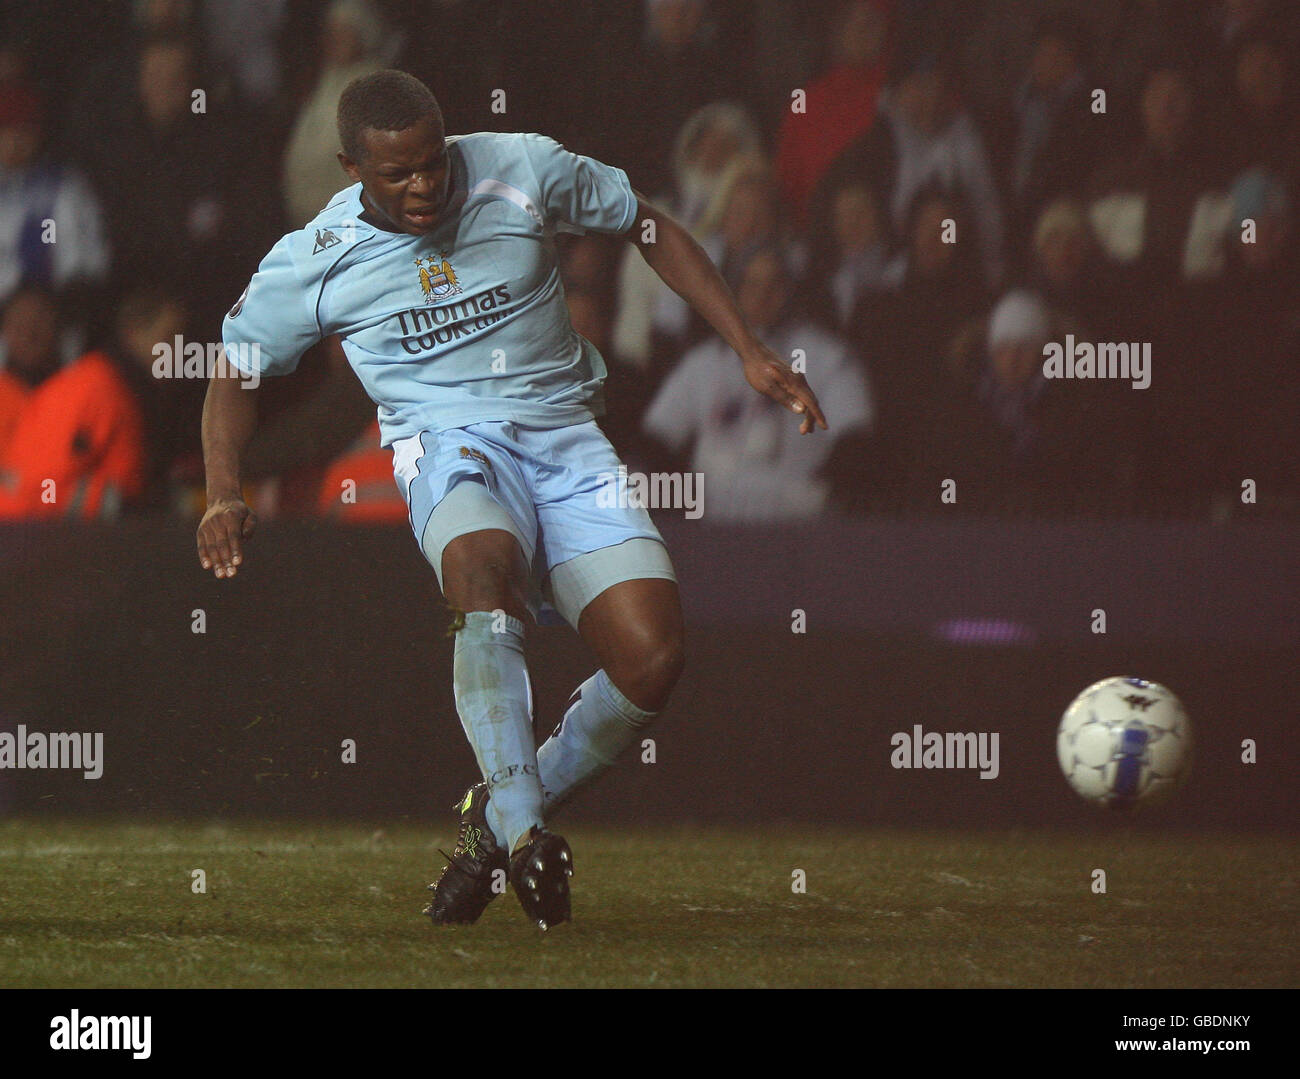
x=1162, y=215
x=15, y=65
x=350, y=45
x=29, y=333
x=654, y=84
x=1009, y=385
x=840, y=104
x=904, y=332
x=743, y=217
x=709, y=142
x=13, y=395
x=101, y=89
x=1133, y=36
x=756, y=465
x=1263, y=198
x=1247, y=414
x=165, y=16
x=1234, y=21
x=359, y=488
x=708, y=148
x=1158, y=206
x=311, y=424
x=850, y=252
x=1263, y=122
x=924, y=138
x=184, y=204
x=77, y=448
x=1067, y=270
x=38, y=46
x=170, y=408
x=464, y=50
x=1011, y=438
x=1052, y=148
x=792, y=47
x=50, y=229
x=991, y=39
x=242, y=38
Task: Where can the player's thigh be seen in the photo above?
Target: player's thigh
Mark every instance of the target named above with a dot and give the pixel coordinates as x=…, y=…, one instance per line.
x=473, y=514
x=479, y=551
x=486, y=570
x=637, y=632
x=583, y=506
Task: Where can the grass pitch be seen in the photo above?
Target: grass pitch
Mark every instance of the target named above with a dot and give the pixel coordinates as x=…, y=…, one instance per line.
x=111, y=905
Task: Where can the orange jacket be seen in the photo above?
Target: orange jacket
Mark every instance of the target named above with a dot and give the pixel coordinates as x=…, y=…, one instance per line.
x=13, y=396
x=78, y=447
x=373, y=494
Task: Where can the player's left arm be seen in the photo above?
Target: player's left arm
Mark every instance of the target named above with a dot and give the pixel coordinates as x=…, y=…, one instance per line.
x=684, y=267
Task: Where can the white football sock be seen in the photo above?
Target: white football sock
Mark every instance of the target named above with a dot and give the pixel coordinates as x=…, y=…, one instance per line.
x=494, y=701
x=599, y=724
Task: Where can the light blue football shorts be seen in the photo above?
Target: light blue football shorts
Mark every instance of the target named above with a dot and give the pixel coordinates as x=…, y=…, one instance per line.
x=549, y=488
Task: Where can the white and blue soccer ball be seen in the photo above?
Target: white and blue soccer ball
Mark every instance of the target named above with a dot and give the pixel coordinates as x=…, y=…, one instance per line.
x=1125, y=743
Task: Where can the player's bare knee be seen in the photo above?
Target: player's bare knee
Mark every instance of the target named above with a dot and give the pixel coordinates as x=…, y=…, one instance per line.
x=666, y=665
x=654, y=671
x=487, y=585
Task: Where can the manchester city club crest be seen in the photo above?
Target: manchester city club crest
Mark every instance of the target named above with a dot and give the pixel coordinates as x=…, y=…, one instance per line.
x=437, y=278
x=477, y=455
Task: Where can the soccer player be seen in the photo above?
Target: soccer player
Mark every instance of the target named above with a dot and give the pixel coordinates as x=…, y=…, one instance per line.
x=437, y=267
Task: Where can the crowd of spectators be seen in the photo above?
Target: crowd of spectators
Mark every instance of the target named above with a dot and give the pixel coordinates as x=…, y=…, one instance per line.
x=911, y=198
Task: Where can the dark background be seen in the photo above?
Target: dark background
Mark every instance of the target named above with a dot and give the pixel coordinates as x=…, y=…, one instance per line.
x=339, y=633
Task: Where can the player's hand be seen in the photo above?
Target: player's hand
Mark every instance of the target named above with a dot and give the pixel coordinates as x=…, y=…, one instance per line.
x=773, y=377
x=225, y=526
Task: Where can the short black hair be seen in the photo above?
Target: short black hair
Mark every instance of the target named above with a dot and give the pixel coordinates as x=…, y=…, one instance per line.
x=387, y=100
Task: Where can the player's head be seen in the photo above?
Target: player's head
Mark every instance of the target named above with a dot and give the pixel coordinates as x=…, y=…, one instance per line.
x=390, y=128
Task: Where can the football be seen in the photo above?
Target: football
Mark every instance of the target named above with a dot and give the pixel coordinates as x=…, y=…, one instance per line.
x=1125, y=743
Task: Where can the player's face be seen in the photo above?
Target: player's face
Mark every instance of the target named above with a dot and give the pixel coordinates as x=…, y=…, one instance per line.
x=405, y=175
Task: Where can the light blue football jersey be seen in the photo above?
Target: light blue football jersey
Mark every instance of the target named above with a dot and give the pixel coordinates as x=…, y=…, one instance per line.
x=464, y=324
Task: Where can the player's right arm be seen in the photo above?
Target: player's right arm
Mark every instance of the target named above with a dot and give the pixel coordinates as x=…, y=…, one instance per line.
x=229, y=419
x=274, y=322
